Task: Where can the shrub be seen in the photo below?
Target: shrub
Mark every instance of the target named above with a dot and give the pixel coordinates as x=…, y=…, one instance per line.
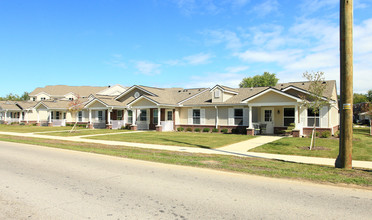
x=225, y=130
x=33, y=124
x=122, y=127
x=326, y=134
x=189, y=129
x=337, y=134
x=317, y=134
x=214, y=130
x=180, y=129
x=197, y=129
x=22, y=123
x=206, y=129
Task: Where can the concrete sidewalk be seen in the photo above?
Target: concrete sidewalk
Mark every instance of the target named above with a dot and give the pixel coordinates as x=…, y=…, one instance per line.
x=239, y=149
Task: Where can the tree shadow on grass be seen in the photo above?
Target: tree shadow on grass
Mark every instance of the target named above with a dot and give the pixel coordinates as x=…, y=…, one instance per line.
x=186, y=143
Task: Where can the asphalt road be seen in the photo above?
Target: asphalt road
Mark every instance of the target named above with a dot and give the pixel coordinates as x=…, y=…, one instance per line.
x=46, y=183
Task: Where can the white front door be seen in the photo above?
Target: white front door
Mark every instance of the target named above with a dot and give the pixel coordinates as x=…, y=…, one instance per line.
x=268, y=119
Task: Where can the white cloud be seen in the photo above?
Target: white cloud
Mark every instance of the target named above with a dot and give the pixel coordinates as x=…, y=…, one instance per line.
x=311, y=6
x=196, y=59
x=265, y=8
x=230, y=38
x=117, y=61
x=236, y=69
x=212, y=79
x=277, y=56
x=147, y=68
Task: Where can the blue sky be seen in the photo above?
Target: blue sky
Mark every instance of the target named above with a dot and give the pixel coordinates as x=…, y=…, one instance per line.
x=175, y=43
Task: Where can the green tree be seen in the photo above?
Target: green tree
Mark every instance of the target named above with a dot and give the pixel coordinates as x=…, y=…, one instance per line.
x=266, y=79
x=25, y=97
x=359, y=98
x=369, y=95
x=315, y=99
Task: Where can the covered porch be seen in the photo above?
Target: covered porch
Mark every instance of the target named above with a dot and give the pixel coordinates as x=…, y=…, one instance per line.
x=272, y=111
x=150, y=115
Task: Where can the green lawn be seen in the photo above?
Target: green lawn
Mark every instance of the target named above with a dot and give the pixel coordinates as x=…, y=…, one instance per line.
x=362, y=146
x=30, y=128
x=257, y=166
x=81, y=132
x=202, y=140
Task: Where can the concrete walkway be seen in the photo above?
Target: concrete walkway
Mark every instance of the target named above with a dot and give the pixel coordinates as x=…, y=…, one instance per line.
x=239, y=149
x=245, y=146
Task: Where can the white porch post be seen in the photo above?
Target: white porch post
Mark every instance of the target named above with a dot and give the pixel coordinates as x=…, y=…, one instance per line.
x=90, y=116
x=134, y=115
x=296, y=117
x=125, y=116
x=216, y=116
x=26, y=116
x=109, y=116
x=50, y=116
x=159, y=114
x=38, y=116
x=250, y=118
x=19, y=117
x=6, y=112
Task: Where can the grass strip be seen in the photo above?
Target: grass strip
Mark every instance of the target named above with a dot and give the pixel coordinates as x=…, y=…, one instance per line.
x=186, y=139
x=256, y=166
x=325, y=147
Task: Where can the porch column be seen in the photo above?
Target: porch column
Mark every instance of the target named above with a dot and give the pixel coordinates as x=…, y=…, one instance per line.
x=250, y=118
x=19, y=117
x=50, y=116
x=159, y=115
x=108, y=116
x=38, y=116
x=26, y=116
x=216, y=116
x=90, y=116
x=296, y=117
x=134, y=115
x=125, y=116
x=5, y=113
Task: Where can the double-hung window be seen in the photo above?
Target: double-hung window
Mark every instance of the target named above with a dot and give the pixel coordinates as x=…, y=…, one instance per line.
x=196, y=116
x=312, y=117
x=80, y=116
x=289, y=116
x=143, y=115
x=100, y=115
x=119, y=115
x=57, y=115
x=169, y=116
x=155, y=118
x=268, y=115
x=238, y=116
x=130, y=116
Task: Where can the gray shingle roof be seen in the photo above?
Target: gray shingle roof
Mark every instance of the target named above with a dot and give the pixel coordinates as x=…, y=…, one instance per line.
x=61, y=90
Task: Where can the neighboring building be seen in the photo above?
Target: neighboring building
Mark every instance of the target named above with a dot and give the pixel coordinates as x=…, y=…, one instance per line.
x=166, y=109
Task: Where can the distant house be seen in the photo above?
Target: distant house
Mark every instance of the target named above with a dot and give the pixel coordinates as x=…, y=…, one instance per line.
x=165, y=109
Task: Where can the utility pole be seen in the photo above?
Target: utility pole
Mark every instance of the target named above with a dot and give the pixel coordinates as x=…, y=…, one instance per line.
x=344, y=159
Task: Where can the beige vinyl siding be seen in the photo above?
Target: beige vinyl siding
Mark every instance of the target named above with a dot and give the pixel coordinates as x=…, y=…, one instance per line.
x=97, y=104
x=271, y=97
x=279, y=118
x=214, y=99
x=183, y=116
x=131, y=94
x=334, y=116
x=226, y=96
x=144, y=102
x=210, y=116
x=223, y=115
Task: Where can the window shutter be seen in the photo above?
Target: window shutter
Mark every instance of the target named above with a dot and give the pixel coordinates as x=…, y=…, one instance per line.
x=231, y=116
x=189, y=119
x=202, y=116
x=303, y=117
x=323, y=114
x=245, y=116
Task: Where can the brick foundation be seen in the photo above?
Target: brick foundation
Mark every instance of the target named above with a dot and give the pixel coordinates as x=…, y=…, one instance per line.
x=133, y=127
x=296, y=133
x=38, y=124
x=90, y=126
x=159, y=128
x=309, y=130
x=250, y=131
x=108, y=126
x=238, y=129
x=50, y=124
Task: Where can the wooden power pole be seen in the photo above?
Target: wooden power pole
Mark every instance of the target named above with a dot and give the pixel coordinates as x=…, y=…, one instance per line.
x=344, y=159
